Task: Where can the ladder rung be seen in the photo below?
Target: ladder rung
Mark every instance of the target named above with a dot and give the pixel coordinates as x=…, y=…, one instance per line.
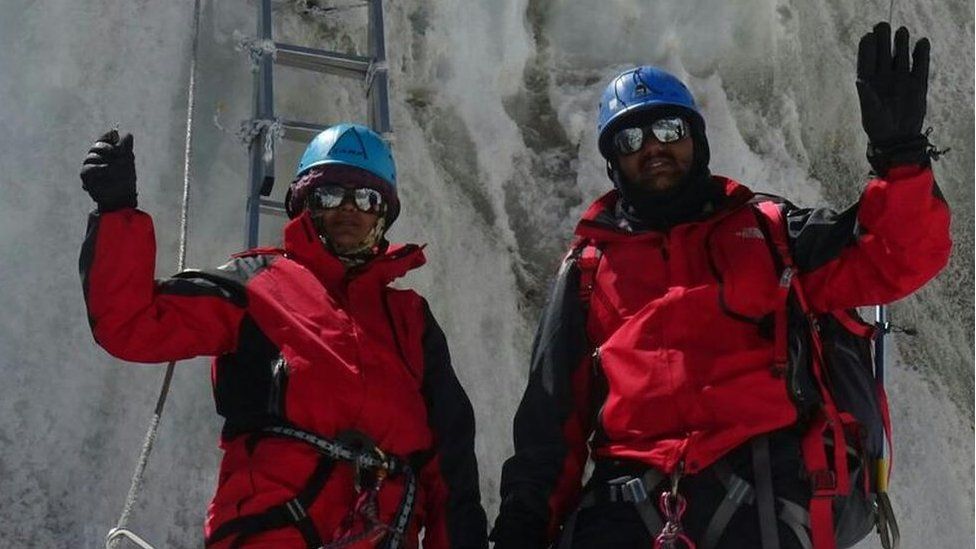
x=296, y=130
x=273, y=207
x=322, y=61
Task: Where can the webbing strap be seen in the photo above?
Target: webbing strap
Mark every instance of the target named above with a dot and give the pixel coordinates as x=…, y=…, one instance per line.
x=737, y=492
x=855, y=325
x=827, y=481
x=797, y=519
x=588, y=261
x=629, y=489
x=291, y=513
x=765, y=498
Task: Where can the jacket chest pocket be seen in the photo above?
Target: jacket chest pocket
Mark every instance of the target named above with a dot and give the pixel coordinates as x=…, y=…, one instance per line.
x=742, y=262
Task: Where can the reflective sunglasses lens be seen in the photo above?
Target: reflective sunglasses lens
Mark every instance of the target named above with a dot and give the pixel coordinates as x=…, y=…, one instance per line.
x=368, y=200
x=629, y=140
x=329, y=196
x=669, y=130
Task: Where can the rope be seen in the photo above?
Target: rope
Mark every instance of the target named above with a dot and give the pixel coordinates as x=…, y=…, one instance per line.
x=137, y=477
x=256, y=48
x=251, y=128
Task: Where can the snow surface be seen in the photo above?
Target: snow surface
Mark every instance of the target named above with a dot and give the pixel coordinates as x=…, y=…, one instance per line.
x=493, y=106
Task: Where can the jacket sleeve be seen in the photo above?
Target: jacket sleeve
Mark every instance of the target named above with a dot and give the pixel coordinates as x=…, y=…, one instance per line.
x=541, y=483
x=140, y=319
x=886, y=246
x=455, y=518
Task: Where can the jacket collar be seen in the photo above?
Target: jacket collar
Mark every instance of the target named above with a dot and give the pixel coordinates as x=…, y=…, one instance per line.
x=302, y=245
x=601, y=221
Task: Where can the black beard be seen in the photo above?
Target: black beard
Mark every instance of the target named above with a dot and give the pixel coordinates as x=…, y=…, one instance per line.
x=688, y=200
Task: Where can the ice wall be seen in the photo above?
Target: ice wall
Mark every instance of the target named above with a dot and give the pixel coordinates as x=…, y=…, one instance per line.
x=493, y=105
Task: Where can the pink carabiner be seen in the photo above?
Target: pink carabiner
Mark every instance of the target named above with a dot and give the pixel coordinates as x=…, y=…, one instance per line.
x=667, y=541
x=672, y=506
x=672, y=509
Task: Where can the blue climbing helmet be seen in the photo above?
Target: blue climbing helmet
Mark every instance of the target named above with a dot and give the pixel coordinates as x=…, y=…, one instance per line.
x=638, y=91
x=339, y=148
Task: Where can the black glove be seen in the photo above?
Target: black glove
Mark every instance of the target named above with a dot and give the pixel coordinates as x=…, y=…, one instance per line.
x=518, y=530
x=893, y=98
x=108, y=173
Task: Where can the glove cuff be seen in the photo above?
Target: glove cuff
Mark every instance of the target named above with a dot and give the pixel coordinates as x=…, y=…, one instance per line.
x=116, y=203
x=916, y=150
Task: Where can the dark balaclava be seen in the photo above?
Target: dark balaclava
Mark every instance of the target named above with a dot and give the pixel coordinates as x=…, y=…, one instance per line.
x=695, y=196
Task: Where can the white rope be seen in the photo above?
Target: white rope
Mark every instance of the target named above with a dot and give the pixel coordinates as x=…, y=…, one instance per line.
x=115, y=536
x=250, y=129
x=256, y=48
x=273, y=131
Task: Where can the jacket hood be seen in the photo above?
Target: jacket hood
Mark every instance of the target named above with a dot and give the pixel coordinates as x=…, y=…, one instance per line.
x=302, y=244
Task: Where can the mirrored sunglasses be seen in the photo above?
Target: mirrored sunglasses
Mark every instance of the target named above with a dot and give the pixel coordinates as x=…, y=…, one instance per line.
x=665, y=130
x=326, y=197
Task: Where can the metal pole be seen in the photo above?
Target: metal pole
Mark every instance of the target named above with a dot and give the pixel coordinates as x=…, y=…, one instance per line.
x=379, y=107
x=262, y=172
x=881, y=323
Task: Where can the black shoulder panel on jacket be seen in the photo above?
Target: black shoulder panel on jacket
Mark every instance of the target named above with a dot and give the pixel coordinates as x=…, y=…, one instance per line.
x=227, y=281
x=451, y=417
x=250, y=382
x=816, y=235
x=530, y=476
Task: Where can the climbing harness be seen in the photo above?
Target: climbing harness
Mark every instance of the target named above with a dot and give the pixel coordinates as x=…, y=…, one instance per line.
x=373, y=468
x=120, y=530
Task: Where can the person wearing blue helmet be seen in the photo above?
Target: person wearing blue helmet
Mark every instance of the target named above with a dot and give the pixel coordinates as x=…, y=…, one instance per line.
x=699, y=337
x=347, y=158
x=344, y=422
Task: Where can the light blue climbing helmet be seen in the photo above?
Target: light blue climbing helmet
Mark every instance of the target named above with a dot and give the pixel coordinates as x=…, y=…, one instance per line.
x=354, y=146
x=639, y=90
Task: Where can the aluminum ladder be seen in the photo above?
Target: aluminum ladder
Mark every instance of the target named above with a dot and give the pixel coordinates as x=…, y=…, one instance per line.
x=372, y=69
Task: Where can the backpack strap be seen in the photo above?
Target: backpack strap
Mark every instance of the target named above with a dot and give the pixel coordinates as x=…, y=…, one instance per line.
x=828, y=479
x=588, y=257
x=588, y=262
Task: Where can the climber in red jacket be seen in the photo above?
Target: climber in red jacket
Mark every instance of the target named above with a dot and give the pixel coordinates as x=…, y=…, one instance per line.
x=345, y=424
x=656, y=355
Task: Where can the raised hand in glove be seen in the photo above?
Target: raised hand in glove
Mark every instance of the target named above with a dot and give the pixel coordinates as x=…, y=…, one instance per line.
x=108, y=173
x=892, y=94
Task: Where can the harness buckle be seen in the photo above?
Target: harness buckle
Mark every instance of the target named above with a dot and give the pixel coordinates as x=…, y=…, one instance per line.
x=824, y=482
x=633, y=490
x=296, y=510
x=786, y=278
x=739, y=491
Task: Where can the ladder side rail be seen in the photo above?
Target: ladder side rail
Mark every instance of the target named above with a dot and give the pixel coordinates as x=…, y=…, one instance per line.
x=262, y=169
x=377, y=93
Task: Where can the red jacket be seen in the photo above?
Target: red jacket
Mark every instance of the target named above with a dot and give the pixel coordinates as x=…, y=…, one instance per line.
x=298, y=340
x=675, y=335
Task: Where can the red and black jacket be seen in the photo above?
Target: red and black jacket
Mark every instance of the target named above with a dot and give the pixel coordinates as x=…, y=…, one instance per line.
x=300, y=341
x=669, y=361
